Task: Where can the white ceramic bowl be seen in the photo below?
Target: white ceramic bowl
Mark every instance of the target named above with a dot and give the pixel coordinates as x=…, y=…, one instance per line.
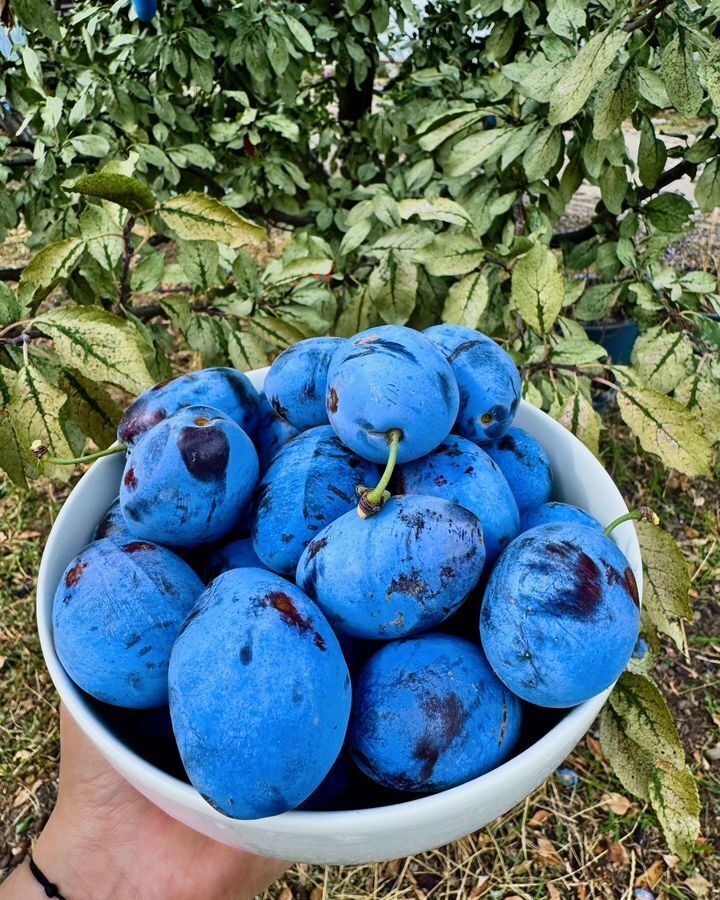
x=363, y=835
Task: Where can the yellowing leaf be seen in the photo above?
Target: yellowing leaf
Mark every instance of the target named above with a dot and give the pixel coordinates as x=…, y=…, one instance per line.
x=393, y=288
x=675, y=799
x=451, y=253
x=666, y=583
x=629, y=762
x=583, y=73
x=579, y=417
x=646, y=718
x=472, y=151
x=680, y=74
x=101, y=346
x=666, y=428
x=538, y=289
x=438, y=209
x=117, y=188
x=47, y=267
x=358, y=315
x=662, y=358
x=467, y=300
x=198, y=217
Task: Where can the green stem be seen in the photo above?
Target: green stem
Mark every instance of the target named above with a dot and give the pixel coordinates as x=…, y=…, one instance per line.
x=372, y=500
x=42, y=454
x=642, y=512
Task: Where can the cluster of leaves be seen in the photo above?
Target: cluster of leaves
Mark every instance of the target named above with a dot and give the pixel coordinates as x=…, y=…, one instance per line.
x=430, y=189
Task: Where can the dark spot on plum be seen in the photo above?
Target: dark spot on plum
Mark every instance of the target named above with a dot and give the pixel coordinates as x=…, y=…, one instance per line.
x=462, y=348
x=280, y=410
x=145, y=650
x=440, y=480
x=414, y=521
x=447, y=572
x=446, y=386
x=314, y=547
x=137, y=420
x=130, y=481
x=296, y=694
x=631, y=585
x=446, y=717
x=411, y=584
x=135, y=681
x=469, y=470
x=504, y=540
x=137, y=547
x=333, y=401
x=341, y=494
x=243, y=393
x=161, y=384
x=212, y=803
x=246, y=653
x=589, y=588
x=612, y=574
x=563, y=550
x=507, y=442
x=450, y=450
x=205, y=452
x=75, y=574
x=503, y=727
x=286, y=538
x=292, y=617
x=134, y=638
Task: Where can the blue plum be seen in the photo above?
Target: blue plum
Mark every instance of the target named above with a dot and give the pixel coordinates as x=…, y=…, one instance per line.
x=526, y=467
x=460, y=471
x=259, y=694
x=403, y=571
x=145, y=9
x=391, y=377
x=117, y=611
x=554, y=511
x=228, y=390
x=429, y=714
x=309, y=483
x=237, y=554
x=560, y=616
x=112, y=525
x=296, y=384
x=189, y=480
x=271, y=433
x=487, y=377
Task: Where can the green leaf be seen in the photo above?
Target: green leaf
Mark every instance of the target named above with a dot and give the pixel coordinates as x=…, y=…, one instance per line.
x=279, y=272
x=405, y=239
x=274, y=331
x=90, y=408
x=632, y=765
x=674, y=797
x=300, y=33
x=48, y=267
x=652, y=154
x=613, y=187
x=121, y=189
x=439, y=209
x=198, y=217
x=707, y=187
x=102, y=235
x=467, y=300
x=148, y=273
x=583, y=73
x=680, y=74
x=101, y=346
x=615, y=100
x=542, y=154
x=393, y=287
x=597, y=301
x=199, y=261
x=10, y=309
x=646, y=718
x=35, y=414
x=91, y=145
x=566, y=18
x=699, y=282
x=712, y=76
x=245, y=350
x=662, y=358
x=666, y=428
x=668, y=212
x=359, y=314
x=666, y=583
x=451, y=253
x=701, y=394
x=355, y=235
x=431, y=138
x=38, y=15
x=652, y=89
x=577, y=351
x=538, y=289
x=13, y=458
x=578, y=416
x=476, y=149
x=205, y=335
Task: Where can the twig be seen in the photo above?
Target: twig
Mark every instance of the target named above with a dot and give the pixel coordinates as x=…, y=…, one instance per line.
x=128, y=250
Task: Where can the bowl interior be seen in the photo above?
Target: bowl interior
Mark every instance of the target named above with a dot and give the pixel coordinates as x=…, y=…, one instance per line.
x=578, y=479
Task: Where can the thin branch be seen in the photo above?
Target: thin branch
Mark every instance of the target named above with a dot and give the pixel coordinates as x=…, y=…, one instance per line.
x=128, y=250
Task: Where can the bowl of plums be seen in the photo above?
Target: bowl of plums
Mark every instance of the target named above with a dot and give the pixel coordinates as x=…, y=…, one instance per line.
x=344, y=609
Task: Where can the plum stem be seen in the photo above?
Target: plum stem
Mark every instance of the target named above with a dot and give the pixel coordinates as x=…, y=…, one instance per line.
x=642, y=512
x=42, y=454
x=372, y=500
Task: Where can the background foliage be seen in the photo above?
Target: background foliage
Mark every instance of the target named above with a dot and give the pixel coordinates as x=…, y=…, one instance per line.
x=421, y=164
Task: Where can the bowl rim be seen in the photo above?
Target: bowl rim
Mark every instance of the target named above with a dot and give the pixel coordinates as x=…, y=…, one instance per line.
x=333, y=822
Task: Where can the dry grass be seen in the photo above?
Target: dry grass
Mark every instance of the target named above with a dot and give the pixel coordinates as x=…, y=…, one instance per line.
x=590, y=841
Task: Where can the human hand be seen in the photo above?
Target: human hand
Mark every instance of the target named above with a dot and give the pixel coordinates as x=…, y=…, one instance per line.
x=105, y=840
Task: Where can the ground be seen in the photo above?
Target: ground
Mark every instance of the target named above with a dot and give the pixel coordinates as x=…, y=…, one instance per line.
x=587, y=841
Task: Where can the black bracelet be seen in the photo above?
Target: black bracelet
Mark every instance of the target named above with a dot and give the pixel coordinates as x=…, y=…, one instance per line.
x=51, y=890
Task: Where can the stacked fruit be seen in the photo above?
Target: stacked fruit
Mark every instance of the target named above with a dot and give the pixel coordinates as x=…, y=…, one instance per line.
x=358, y=574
